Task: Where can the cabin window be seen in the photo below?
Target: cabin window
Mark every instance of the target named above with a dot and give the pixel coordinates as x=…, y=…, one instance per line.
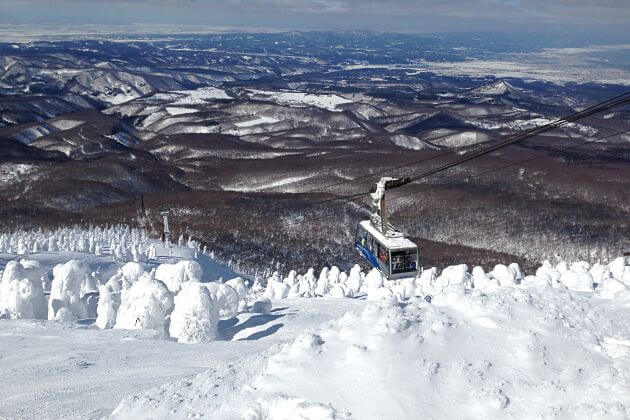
x=404, y=261
x=383, y=254
x=362, y=237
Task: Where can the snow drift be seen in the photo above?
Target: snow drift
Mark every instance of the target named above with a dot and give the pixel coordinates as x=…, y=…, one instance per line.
x=457, y=343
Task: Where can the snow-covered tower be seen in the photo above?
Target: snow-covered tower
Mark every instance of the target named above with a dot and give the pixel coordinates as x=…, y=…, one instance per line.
x=142, y=213
x=166, y=235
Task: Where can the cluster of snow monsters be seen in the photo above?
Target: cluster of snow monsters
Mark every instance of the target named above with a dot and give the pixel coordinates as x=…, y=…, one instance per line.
x=611, y=281
x=169, y=300
x=122, y=242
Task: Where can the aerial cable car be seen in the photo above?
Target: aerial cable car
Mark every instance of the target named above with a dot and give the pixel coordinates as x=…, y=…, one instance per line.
x=384, y=247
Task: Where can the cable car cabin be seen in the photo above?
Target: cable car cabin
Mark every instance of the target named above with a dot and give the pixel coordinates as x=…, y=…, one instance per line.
x=393, y=255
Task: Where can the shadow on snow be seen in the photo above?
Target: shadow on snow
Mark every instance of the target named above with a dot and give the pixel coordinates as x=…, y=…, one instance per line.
x=228, y=328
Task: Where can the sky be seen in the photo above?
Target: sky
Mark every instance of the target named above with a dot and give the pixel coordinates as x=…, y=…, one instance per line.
x=572, y=17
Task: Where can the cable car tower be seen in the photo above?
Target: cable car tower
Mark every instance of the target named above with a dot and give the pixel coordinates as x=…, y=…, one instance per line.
x=384, y=247
x=166, y=233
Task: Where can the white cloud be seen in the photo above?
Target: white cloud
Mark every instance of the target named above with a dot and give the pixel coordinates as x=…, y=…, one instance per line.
x=455, y=15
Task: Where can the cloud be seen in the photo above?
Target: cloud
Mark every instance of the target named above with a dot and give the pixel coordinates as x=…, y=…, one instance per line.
x=419, y=15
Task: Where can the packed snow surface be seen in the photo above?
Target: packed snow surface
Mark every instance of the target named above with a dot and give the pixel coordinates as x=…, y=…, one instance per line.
x=72, y=370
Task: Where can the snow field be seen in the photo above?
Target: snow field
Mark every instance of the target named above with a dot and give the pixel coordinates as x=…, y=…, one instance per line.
x=330, y=102
x=452, y=343
x=261, y=119
x=485, y=345
x=475, y=357
x=172, y=110
x=192, y=97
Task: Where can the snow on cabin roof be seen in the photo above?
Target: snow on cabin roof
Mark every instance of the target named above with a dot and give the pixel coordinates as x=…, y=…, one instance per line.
x=396, y=242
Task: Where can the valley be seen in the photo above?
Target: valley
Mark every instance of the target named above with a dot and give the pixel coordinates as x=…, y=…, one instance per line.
x=238, y=134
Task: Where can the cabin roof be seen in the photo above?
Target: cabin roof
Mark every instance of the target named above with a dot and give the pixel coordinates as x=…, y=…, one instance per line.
x=396, y=242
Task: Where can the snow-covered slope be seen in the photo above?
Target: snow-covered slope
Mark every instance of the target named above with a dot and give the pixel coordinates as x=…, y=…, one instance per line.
x=500, y=87
x=73, y=370
x=191, y=97
x=330, y=102
x=458, y=343
x=517, y=352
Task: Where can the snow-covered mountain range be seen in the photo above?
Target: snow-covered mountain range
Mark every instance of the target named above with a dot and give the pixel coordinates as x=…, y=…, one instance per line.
x=211, y=125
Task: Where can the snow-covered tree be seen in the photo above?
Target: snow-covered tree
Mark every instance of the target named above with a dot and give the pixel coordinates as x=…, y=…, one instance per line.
x=71, y=281
x=21, y=293
x=145, y=305
x=195, y=316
